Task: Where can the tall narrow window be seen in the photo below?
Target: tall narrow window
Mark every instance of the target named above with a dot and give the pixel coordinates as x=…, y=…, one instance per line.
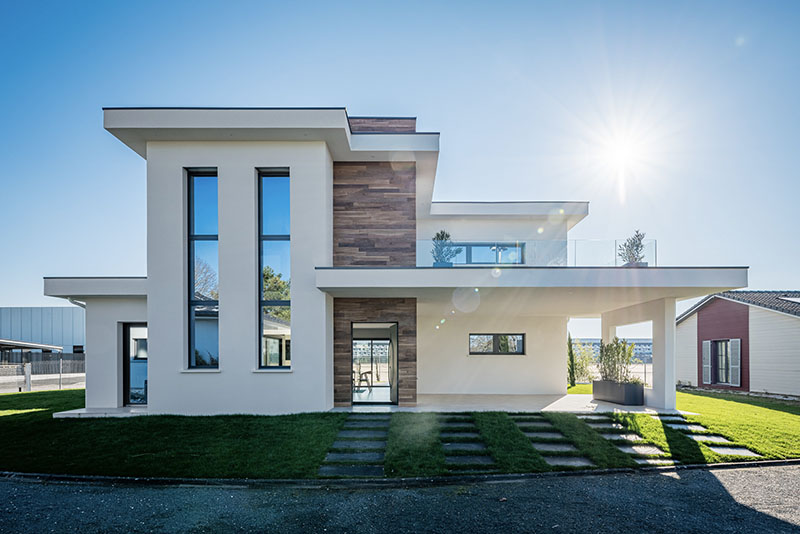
x=274, y=269
x=203, y=271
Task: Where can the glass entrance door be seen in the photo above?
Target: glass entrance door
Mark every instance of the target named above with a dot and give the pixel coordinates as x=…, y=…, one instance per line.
x=134, y=364
x=372, y=381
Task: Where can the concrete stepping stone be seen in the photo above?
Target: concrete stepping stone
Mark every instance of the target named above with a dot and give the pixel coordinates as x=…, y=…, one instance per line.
x=689, y=427
x=654, y=461
x=568, y=461
x=544, y=435
x=356, y=444
x=366, y=424
x=535, y=424
x=733, y=451
x=593, y=416
x=463, y=446
x=708, y=437
x=609, y=426
x=361, y=434
x=468, y=460
x=351, y=471
x=460, y=435
x=554, y=447
x=669, y=418
x=376, y=416
x=357, y=457
x=626, y=437
x=640, y=449
x=457, y=424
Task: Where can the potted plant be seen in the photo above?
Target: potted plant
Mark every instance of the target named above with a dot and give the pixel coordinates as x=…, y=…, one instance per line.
x=443, y=250
x=631, y=252
x=616, y=383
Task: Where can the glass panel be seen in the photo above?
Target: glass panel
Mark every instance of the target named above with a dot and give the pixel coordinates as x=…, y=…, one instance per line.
x=275, y=336
x=274, y=205
x=481, y=343
x=137, y=365
x=509, y=344
x=275, y=270
x=204, y=205
x=723, y=360
x=483, y=254
x=509, y=254
x=380, y=362
x=204, y=270
x=205, y=336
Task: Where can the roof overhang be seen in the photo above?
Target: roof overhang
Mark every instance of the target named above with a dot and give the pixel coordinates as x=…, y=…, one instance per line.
x=570, y=212
x=137, y=126
x=572, y=291
x=89, y=287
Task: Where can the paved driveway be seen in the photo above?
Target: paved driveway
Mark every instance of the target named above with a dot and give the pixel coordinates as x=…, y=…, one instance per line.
x=747, y=500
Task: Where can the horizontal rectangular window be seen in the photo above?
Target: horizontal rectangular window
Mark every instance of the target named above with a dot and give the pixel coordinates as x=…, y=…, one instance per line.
x=497, y=343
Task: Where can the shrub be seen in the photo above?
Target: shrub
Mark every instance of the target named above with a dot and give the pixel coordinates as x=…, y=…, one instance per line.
x=615, y=361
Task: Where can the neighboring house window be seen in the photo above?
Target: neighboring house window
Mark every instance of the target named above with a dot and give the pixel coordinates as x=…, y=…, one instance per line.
x=203, y=255
x=274, y=269
x=722, y=358
x=497, y=343
x=77, y=349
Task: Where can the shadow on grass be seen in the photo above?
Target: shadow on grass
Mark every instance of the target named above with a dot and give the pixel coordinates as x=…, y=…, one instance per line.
x=674, y=442
x=508, y=445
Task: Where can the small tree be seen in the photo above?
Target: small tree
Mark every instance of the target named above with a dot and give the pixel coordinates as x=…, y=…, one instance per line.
x=632, y=250
x=570, y=361
x=615, y=361
x=443, y=250
x=584, y=360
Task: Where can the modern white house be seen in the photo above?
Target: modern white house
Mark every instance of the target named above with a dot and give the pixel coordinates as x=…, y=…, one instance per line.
x=290, y=269
x=746, y=341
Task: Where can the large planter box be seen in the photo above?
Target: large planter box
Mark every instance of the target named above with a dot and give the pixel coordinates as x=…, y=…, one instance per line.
x=627, y=394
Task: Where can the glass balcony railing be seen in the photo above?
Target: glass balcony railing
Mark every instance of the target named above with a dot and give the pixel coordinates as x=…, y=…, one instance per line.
x=536, y=253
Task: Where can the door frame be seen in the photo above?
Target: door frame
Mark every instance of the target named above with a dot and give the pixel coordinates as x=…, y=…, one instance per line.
x=126, y=361
x=393, y=385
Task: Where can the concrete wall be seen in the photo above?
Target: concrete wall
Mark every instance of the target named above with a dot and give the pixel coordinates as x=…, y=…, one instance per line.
x=686, y=351
x=238, y=386
x=445, y=365
x=104, y=319
x=774, y=352
x=51, y=325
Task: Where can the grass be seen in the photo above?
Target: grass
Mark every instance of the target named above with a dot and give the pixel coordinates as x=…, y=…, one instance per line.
x=293, y=446
x=580, y=389
x=413, y=447
x=290, y=446
x=510, y=448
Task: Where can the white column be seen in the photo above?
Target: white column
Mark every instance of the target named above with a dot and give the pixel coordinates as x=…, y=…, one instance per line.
x=662, y=394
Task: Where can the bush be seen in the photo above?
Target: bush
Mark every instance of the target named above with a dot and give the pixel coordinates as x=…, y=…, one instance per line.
x=584, y=358
x=615, y=361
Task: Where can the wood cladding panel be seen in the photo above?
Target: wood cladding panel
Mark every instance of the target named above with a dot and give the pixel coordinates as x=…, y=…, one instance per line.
x=374, y=214
x=383, y=124
x=402, y=311
x=724, y=319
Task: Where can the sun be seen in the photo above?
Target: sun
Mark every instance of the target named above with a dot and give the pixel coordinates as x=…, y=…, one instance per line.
x=621, y=153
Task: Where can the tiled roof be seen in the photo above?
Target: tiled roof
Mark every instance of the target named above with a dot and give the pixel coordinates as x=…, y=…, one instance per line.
x=787, y=302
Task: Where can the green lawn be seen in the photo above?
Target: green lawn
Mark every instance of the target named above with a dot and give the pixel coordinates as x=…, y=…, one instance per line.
x=580, y=389
x=293, y=446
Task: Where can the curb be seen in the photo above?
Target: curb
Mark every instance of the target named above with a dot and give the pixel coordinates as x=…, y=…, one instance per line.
x=371, y=483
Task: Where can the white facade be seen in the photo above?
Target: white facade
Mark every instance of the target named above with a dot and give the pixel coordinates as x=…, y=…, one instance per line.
x=774, y=352
x=686, y=352
x=535, y=298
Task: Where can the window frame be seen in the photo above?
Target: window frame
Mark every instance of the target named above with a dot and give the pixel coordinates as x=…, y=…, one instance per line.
x=469, y=245
x=715, y=361
x=271, y=172
x=191, y=239
x=496, y=343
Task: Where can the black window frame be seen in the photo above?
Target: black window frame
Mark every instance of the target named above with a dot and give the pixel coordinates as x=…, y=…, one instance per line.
x=192, y=238
x=285, y=349
x=715, y=363
x=496, y=344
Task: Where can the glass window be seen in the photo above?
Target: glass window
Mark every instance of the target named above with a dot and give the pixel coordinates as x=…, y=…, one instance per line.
x=274, y=269
x=721, y=348
x=482, y=254
x=203, y=272
x=497, y=343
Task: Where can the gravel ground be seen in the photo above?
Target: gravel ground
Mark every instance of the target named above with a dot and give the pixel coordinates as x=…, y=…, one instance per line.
x=748, y=500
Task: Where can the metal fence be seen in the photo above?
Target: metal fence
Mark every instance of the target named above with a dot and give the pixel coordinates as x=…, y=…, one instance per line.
x=19, y=371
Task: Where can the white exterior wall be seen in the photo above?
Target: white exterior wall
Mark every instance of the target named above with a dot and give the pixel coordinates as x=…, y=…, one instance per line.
x=238, y=386
x=104, y=319
x=686, y=351
x=444, y=365
x=774, y=352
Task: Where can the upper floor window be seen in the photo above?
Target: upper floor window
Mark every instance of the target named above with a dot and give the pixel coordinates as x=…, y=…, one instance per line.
x=497, y=343
x=274, y=269
x=203, y=256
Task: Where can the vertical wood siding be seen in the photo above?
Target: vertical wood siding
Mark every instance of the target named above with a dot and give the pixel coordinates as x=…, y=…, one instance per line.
x=723, y=319
x=374, y=214
x=347, y=311
x=775, y=350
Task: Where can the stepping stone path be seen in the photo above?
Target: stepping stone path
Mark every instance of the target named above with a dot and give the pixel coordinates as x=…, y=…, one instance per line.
x=626, y=441
x=719, y=444
x=359, y=447
x=543, y=434
x=464, y=450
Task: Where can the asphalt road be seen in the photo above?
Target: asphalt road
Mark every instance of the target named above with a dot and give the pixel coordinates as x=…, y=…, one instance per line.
x=750, y=500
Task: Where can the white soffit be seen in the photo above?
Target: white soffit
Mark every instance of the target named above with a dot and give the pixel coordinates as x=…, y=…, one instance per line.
x=572, y=212
x=96, y=287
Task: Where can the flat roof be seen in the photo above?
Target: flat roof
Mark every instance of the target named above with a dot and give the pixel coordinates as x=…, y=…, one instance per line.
x=95, y=286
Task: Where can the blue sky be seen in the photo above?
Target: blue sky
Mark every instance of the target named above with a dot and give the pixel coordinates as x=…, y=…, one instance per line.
x=528, y=97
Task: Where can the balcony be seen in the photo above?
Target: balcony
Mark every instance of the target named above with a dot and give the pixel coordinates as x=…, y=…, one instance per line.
x=533, y=253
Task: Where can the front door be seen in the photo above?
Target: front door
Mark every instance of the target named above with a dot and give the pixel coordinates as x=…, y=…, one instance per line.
x=374, y=372
x=134, y=364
